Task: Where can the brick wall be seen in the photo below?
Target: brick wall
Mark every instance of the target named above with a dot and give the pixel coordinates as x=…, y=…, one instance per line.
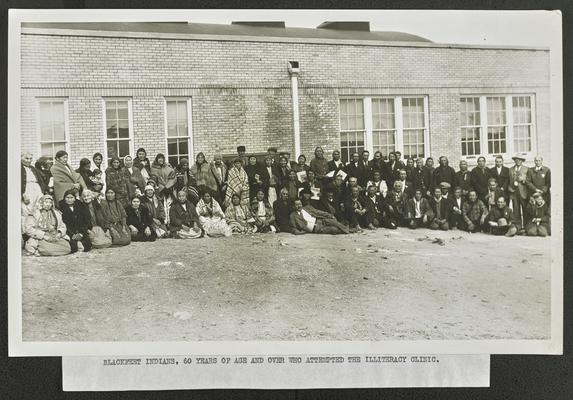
x=240, y=91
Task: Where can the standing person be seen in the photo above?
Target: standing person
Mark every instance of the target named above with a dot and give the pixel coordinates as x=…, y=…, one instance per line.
x=77, y=220
x=500, y=219
x=118, y=181
x=164, y=178
x=237, y=182
x=429, y=177
x=441, y=210
x=399, y=161
x=97, y=159
x=46, y=230
x=364, y=169
x=141, y=162
x=281, y=210
x=538, y=179
x=480, y=176
x=417, y=176
x=410, y=167
x=184, y=180
x=272, y=153
x=219, y=171
x=418, y=211
x=239, y=218
x=135, y=181
x=307, y=219
x=290, y=164
x=353, y=168
x=113, y=218
x=464, y=178
x=500, y=174
x=211, y=217
x=518, y=192
x=318, y=164
x=376, y=164
x=156, y=209
x=270, y=179
x=407, y=186
x=203, y=175
x=336, y=164
x=292, y=186
x=263, y=213
x=88, y=179
x=43, y=166
x=474, y=213
x=139, y=222
x=301, y=166
x=392, y=168
x=183, y=219
x=32, y=185
x=254, y=173
x=99, y=238
x=65, y=178
x=444, y=173
x=540, y=222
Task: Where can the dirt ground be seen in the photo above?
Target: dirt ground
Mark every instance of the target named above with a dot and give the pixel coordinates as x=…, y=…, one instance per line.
x=373, y=286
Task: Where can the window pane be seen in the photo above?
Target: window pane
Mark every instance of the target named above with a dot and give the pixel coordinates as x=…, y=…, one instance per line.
x=123, y=148
x=172, y=147
x=110, y=111
x=183, y=146
x=45, y=112
x=58, y=111
x=59, y=130
x=182, y=110
x=46, y=132
x=182, y=127
x=111, y=130
x=123, y=125
x=171, y=110
x=111, y=150
x=173, y=161
x=122, y=110
x=495, y=110
x=47, y=150
x=171, y=129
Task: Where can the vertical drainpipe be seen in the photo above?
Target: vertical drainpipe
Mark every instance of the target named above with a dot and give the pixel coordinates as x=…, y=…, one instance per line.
x=294, y=70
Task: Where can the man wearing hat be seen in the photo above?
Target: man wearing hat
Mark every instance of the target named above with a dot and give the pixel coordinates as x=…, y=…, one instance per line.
x=518, y=191
x=500, y=219
x=445, y=188
x=539, y=179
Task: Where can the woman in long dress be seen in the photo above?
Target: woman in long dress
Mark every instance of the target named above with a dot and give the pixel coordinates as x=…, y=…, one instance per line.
x=183, y=219
x=239, y=217
x=46, y=230
x=156, y=210
x=254, y=172
x=65, y=178
x=99, y=238
x=263, y=213
x=118, y=182
x=77, y=222
x=237, y=182
x=164, y=177
x=139, y=222
x=113, y=218
x=211, y=217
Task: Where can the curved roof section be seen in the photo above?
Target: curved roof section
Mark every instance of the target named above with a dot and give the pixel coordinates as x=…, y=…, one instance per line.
x=231, y=30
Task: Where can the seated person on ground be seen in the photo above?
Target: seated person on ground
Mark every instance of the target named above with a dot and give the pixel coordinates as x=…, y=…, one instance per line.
x=500, y=219
x=139, y=222
x=239, y=217
x=493, y=193
x=474, y=212
x=308, y=219
x=183, y=219
x=456, y=210
x=282, y=209
x=540, y=214
x=77, y=220
x=375, y=208
x=211, y=216
x=356, y=209
x=441, y=209
x=46, y=230
x=396, y=206
x=418, y=211
x=263, y=213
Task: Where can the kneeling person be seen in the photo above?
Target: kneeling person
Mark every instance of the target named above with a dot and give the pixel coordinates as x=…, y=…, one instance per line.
x=500, y=219
x=474, y=213
x=140, y=222
x=310, y=220
x=418, y=211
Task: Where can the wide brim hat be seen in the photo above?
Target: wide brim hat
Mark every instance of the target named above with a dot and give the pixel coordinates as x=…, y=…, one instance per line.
x=518, y=157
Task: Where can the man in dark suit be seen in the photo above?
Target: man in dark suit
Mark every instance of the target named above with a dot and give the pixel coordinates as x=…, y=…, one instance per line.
x=407, y=186
x=538, y=179
x=392, y=168
x=336, y=164
x=441, y=209
x=444, y=173
x=500, y=174
x=308, y=219
x=364, y=168
x=282, y=210
x=457, y=202
x=464, y=178
x=353, y=167
x=418, y=176
x=356, y=209
x=480, y=175
x=418, y=211
x=493, y=193
x=374, y=208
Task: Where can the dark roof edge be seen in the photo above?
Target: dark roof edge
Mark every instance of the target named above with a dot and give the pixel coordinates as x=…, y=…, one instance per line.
x=277, y=39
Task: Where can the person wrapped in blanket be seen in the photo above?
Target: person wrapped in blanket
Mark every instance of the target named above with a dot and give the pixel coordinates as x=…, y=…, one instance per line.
x=46, y=230
x=239, y=217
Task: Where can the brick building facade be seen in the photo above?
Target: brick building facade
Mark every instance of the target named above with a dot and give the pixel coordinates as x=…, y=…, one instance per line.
x=183, y=88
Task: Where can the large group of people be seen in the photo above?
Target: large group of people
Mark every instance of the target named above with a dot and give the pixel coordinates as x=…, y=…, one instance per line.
x=65, y=210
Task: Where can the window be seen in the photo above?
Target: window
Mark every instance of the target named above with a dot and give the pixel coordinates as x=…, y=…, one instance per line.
x=351, y=127
x=470, y=119
x=384, y=124
x=496, y=125
x=177, y=128
x=414, y=127
x=52, y=126
x=118, y=128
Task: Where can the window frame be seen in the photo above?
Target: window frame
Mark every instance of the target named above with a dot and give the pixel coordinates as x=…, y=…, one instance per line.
x=67, y=135
x=189, y=136
x=130, y=125
x=509, y=125
x=365, y=123
x=398, y=121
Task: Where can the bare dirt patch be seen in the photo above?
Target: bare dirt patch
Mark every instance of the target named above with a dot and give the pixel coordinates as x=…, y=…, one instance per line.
x=378, y=285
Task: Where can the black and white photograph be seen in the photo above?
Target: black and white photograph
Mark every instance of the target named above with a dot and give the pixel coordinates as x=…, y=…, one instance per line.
x=314, y=180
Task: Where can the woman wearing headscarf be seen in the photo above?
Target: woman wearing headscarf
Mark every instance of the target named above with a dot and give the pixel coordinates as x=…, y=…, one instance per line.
x=319, y=164
x=113, y=218
x=165, y=175
x=77, y=220
x=239, y=217
x=254, y=173
x=141, y=162
x=135, y=181
x=99, y=238
x=237, y=182
x=263, y=213
x=205, y=177
x=183, y=219
x=139, y=222
x=186, y=181
x=117, y=181
x=156, y=211
x=211, y=217
x=46, y=230
x=65, y=178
